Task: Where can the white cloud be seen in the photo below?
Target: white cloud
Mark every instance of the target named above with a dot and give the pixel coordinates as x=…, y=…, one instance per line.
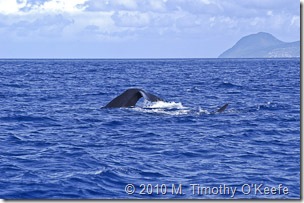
x=295, y=21
x=83, y=23
x=11, y=6
x=269, y=13
x=129, y=4
x=158, y=5
x=143, y=20
x=69, y=6
x=206, y=2
x=131, y=19
x=112, y=5
x=257, y=21
x=15, y=7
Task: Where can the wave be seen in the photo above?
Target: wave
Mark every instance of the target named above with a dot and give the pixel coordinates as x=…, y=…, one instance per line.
x=177, y=108
x=26, y=118
x=229, y=85
x=162, y=107
x=171, y=108
x=256, y=107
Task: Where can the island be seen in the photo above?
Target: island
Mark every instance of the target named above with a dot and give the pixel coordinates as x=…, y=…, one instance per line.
x=262, y=45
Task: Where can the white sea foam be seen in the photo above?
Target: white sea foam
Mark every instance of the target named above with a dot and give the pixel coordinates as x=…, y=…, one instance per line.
x=162, y=107
x=202, y=111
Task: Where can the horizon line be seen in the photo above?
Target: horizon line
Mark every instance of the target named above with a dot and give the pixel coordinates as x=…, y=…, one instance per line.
x=134, y=58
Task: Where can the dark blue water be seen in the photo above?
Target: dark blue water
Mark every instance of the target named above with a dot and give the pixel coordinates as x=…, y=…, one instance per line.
x=56, y=142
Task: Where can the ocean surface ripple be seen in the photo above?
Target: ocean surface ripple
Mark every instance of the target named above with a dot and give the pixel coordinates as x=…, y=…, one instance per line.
x=57, y=142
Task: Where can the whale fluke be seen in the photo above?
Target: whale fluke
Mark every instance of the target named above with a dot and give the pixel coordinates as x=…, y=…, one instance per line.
x=130, y=97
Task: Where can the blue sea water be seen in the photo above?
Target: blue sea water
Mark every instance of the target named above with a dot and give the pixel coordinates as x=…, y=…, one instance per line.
x=57, y=142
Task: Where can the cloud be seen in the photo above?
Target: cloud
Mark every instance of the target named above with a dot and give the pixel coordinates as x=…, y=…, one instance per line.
x=11, y=6
x=62, y=6
x=131, y=19
x=295, y=21
x=144, y=21
x=18, y=7
x=113, y=5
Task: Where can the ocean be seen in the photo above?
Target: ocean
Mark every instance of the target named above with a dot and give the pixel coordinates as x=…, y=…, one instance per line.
x=58, y=143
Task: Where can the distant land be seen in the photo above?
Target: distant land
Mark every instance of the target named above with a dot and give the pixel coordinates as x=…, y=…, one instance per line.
x=262, y=45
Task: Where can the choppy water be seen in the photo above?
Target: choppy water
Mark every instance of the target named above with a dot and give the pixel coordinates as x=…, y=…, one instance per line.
x=56, y=142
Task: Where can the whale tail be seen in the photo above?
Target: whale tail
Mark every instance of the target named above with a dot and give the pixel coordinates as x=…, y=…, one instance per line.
x=130, y=97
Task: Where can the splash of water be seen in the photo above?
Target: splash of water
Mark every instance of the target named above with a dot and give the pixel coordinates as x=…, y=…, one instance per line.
x=162, y=107
x=165, y=105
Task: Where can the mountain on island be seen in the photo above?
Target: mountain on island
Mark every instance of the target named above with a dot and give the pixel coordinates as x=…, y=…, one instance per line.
x=262, y=45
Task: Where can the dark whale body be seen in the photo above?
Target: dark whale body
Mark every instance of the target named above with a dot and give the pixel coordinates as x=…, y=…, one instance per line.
x=130, y=97
x=220, y=110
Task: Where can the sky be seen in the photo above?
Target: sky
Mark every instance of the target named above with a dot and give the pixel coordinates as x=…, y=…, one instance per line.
x=139, y=28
